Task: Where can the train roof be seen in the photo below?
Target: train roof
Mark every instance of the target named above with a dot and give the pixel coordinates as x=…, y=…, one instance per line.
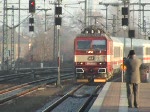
x=135, y=42
x=115, y=39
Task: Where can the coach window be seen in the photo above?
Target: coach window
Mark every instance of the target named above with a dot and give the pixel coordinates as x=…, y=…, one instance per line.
x=117, y=52
x=99, y=44
x=148, y=51
x=138, y=50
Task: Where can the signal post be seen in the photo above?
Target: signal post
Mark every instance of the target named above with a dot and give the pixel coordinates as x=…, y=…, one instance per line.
x=32, y=11
x=58, y=20
x=31, y=29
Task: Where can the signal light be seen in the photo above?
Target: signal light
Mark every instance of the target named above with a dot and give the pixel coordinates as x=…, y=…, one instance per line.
x=131, y=33
x=31, y=20
x=31, y=6
x=124, y=10
x=57, y=20
x=31, y=28
x=58, y=10
x=31, y=24
x=124, y=21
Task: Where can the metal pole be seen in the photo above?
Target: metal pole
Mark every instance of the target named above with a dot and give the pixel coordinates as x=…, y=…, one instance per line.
x=129, y=20
x=131, y=43
x=31, y=56
x=19, y=38
x=122, y=75
x=124, y=44
x=58, y=37
x=123, y=72
x=95, y=20
x=123, y=56
x=12, y=41
x=143, y=17
x=139, y=20
x=106, y=15
x=58, y=80
x=85, y=15
x=4, y=33
x=45, y=16
x=133, y=16
x=55, y=40
x=5, y=38
x=124, y=28
x=114, y=24
x=128, y=1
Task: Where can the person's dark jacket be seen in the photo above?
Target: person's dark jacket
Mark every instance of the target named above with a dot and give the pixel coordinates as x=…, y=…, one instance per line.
x=133, y=70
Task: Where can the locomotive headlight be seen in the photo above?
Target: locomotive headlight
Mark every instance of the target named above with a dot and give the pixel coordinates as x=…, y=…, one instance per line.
x=100, y=63
x=92, y=31
x=90, y=52
x=80, y=63
x=98, y=31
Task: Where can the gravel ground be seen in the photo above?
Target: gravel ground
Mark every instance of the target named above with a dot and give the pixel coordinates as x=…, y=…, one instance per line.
x=70, y=105
x=37, y=99
x=75, y=103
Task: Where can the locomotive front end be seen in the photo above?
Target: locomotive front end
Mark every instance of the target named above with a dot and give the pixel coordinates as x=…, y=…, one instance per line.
x=90, y=58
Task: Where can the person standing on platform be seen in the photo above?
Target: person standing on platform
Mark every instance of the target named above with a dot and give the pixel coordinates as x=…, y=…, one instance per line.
x=133, y=79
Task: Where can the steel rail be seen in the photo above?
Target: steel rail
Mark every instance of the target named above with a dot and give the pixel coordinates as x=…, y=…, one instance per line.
x=59, y=101
x=91, y=97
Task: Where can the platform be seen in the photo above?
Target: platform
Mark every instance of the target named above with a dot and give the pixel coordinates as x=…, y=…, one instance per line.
x=113, y=98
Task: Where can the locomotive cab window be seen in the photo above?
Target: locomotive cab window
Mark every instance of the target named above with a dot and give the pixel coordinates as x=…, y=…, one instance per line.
x=91, y=44
x=83, y=44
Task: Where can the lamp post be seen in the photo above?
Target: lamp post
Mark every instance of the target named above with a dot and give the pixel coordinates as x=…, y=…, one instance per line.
x=85, y=13
x=124, y=42
x=124, y=45
x=18, y=62
x=125, y=23
x=106, y=14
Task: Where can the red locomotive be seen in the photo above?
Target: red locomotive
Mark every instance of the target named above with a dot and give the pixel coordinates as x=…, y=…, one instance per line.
x=93, y=55
x=97, y=55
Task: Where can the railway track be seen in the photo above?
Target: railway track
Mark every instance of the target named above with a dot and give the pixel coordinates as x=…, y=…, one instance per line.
x=20, y=90
x=11, y=93
x=80, y=100
x=81, y=93
x=10, y=80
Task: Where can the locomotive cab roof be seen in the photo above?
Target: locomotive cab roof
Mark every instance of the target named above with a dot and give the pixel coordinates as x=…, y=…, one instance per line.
x=93, y=31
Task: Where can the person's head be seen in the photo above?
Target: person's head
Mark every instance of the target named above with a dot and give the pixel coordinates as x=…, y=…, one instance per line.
x=131, y=53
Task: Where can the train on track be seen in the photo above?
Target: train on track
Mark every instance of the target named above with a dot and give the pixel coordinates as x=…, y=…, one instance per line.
x=97, y=55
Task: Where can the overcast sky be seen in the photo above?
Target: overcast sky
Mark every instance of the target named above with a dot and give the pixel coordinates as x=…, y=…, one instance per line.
x=67, y=10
